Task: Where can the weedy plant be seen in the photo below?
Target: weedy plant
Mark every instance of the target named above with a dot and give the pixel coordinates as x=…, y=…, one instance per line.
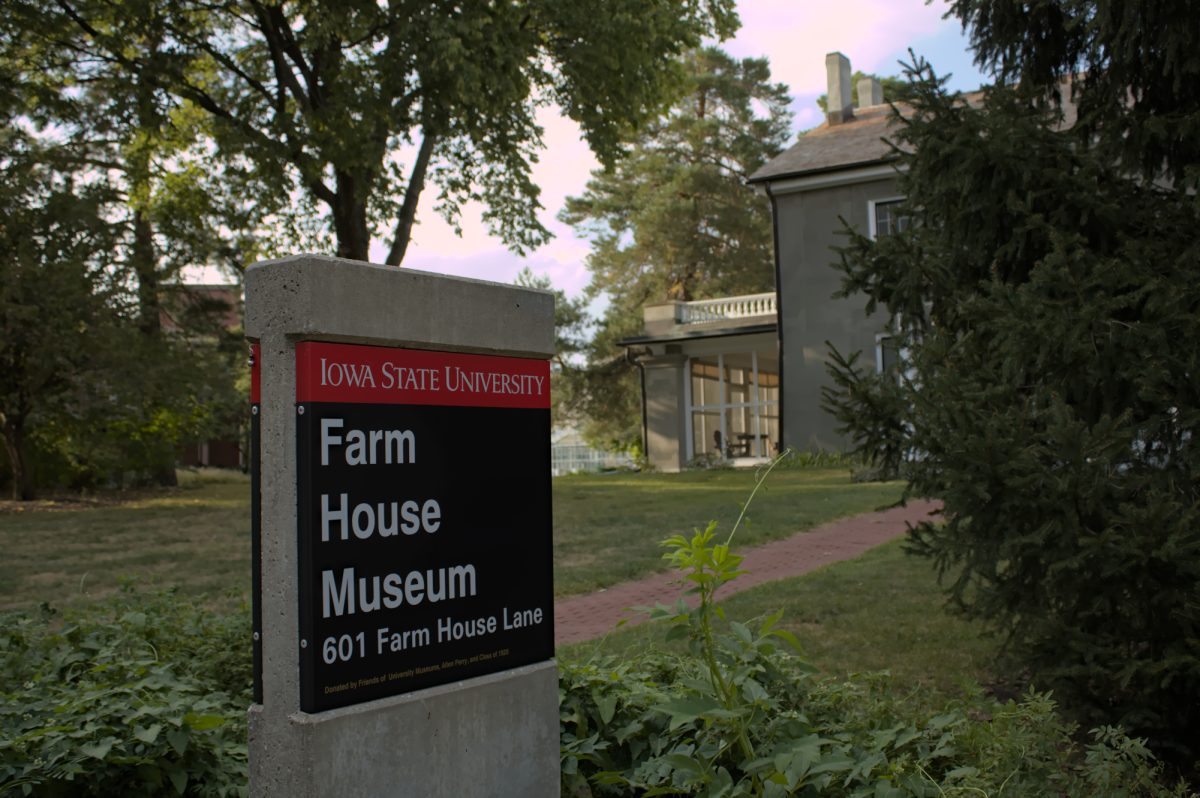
x=746, y=715
x=142, y=696
x=731, y=696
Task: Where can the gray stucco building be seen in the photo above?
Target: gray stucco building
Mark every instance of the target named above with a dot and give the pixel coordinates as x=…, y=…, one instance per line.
x=740, y=378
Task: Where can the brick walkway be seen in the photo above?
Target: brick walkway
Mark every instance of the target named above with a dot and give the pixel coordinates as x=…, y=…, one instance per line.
x=579, y=618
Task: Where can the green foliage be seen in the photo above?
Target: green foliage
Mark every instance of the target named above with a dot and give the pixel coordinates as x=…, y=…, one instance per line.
x=571, y=328
x=818, y=458
x=870, y=408
x=745, y=716
x=130, y=407
x=639, y=727
x=570, y=318
x=603, y=393
x=172, y=202
x=1132, y=69
x=675, y=220
x=319, y=101
x=1048, y=299
x=88, y=143
x=55, y=312
x=145, y=695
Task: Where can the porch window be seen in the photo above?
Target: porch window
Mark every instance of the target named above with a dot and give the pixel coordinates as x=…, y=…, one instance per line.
x=734, y=405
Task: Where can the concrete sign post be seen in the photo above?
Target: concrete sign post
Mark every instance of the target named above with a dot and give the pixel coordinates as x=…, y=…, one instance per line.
x=404, y=619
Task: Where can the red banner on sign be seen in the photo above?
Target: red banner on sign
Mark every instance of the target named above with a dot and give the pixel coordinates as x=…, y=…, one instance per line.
x=386, y=375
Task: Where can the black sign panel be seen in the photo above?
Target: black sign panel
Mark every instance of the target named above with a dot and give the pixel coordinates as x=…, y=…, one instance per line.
x=424, y=519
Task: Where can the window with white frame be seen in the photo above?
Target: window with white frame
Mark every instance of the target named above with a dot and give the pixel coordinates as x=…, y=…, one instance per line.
x=887, y=354
x=734, y=405
x=888, y=217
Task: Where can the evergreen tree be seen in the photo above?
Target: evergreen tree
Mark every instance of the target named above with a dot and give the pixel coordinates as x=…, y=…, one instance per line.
x=1134, y=70
x=674, y=219
x=1048, y=295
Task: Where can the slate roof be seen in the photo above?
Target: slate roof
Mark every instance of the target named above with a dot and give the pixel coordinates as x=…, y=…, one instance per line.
x=860, y=141
x=856, y=142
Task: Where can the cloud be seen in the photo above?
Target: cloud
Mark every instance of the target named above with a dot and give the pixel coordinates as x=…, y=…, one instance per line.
x=501, y=266
x=873, y=34
x=795, y=36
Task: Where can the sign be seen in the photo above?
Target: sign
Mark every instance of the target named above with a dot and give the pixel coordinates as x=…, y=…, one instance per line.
x=424, y=519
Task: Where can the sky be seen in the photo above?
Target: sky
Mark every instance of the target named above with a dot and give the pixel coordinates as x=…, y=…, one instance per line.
x=794, y=35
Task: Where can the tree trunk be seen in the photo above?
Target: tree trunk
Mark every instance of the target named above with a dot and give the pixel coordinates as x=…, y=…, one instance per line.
x=412, y=195
x=350, y=219
x=14, y=446
x=145, y=266
x=144, y=254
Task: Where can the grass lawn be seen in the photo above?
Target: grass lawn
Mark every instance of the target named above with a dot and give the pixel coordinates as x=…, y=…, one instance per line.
x=196, y=537
x=607, y=527
x=880, y=611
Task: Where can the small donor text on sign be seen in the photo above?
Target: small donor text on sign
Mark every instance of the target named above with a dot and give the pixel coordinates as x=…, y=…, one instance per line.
x=424, y=518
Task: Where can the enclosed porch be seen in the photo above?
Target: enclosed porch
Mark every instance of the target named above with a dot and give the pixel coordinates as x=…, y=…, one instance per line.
x=710, y=381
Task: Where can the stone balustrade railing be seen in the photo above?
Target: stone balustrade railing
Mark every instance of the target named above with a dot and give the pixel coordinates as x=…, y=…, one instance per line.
x=730, y=307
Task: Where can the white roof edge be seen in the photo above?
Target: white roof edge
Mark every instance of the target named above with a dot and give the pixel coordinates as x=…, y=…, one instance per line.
x=843, y=177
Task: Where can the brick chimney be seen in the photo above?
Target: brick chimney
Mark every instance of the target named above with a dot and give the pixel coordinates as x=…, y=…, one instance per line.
x=870, y=92
x=839, y=108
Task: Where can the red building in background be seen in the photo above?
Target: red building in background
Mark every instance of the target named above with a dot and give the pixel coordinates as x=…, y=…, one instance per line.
x=217, y=307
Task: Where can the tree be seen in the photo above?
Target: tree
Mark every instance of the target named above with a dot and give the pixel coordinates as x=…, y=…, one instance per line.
x=1048, y=294
x=170, y=202
x=174, y=203
x=320, y=99
x=86, y=396
x=570, y=318
x=571, y=324
x=1135, y=70
x=675, y=219
x=53, y=309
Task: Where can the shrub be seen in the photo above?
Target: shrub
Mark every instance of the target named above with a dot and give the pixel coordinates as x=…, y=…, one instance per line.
x=644, y=727
x=744, y=716
x=144, y=695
